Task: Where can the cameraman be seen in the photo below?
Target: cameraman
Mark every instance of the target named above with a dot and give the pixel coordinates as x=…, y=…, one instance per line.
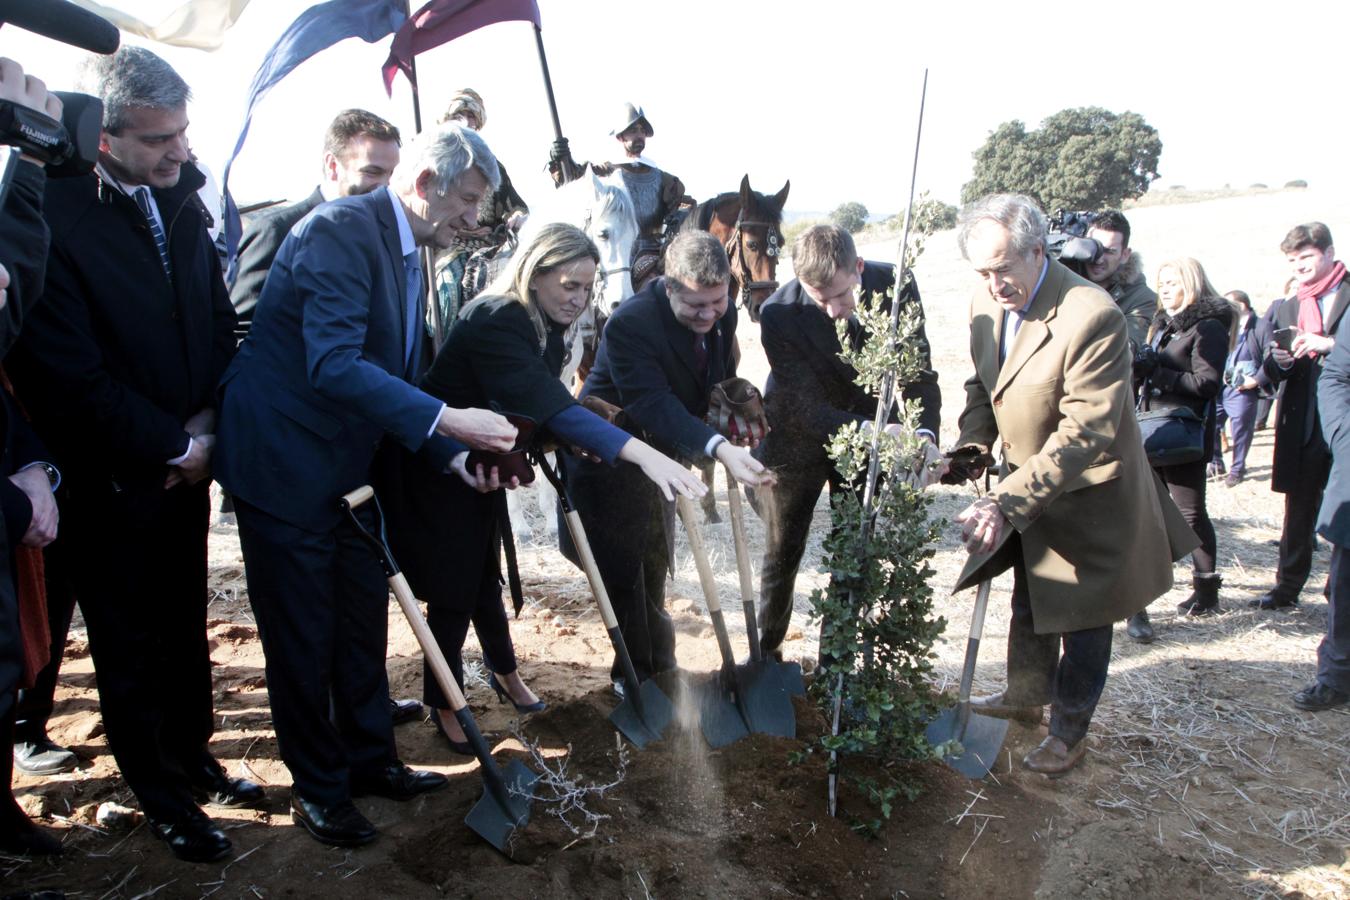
x=1119, y=271
x=23, y=257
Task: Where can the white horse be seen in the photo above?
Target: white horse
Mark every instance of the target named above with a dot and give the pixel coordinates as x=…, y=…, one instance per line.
x=605, y=212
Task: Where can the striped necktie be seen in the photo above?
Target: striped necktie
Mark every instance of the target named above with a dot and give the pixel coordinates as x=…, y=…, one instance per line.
x=413, y=286
x=142, y=197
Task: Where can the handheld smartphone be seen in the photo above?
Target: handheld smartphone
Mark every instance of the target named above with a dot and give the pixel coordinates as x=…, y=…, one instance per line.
x=1284, y=337
x=9, y=163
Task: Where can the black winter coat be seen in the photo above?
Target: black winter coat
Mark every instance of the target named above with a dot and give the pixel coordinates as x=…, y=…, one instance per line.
x=1192, y=349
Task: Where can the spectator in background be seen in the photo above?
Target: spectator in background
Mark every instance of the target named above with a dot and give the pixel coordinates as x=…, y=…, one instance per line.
x=1267, y=398
x=1242, y=380
x=1189, y=340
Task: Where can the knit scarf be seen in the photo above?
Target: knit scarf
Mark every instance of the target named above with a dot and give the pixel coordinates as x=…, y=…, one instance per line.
x=1309, y=313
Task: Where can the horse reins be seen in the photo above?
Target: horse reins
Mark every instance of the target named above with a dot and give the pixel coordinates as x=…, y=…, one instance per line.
x=736, y=253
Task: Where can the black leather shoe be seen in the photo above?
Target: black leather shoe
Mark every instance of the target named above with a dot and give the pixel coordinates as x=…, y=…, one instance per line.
x=402, y=711
x=1139, y=628
x=212, y=785
x=997, y=705
x=340, y=825
x=43, y=757
x=396, y=782
x=1273, y=600
x=1318, y=696
x=194, y=838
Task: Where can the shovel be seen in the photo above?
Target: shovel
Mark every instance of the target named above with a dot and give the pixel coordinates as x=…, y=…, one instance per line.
x=505, y=804
x=758, y=703
x=645, y=711
x=787, y=675
x=980, y=736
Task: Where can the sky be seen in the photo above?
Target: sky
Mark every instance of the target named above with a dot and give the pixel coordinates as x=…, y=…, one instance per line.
x=826, y=95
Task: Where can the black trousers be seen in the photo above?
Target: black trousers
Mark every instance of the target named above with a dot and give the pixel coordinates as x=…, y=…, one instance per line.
x=37, y=703
x=1071, y=681
x=1301, y=504
x=1186, y=484
x=321, y=601
x=628, y=526
x=451, y=626
x=138, y=567
x=794, y=501
x=11, y=670
x=1333, y=654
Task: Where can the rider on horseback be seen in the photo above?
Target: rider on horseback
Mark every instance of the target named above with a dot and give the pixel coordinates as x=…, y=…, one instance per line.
x=658, y=196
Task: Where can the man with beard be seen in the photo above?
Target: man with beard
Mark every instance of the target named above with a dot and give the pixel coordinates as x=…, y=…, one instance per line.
x=657, y=195
x=1077, y=513
x=1302, y=459
x=321, y=379
x=360, y=151
x=812, y=393
x=118, y=366
x=1119, y=272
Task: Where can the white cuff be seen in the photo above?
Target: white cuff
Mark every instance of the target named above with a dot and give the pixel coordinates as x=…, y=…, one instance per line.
x=436, y=421
x=177, y=460
x=713, y=443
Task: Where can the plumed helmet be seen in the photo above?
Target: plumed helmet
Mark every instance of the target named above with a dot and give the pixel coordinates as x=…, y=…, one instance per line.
x=633, y=115
x=466, y=100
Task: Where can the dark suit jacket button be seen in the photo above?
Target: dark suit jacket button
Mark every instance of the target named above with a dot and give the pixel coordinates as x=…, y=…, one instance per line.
x=998, y=402
x=1007, y=446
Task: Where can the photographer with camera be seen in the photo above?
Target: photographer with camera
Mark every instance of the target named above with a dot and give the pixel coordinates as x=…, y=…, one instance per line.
x=23, y=255
x=1118, y=270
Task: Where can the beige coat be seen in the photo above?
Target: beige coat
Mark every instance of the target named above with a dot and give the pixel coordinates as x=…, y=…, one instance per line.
x=1098, y=530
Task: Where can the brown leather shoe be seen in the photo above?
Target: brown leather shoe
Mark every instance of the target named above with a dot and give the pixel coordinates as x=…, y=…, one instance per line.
x=996, y=705
x=1054, y=758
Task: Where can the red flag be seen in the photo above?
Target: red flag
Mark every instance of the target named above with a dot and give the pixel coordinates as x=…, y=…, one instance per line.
x=441, y=21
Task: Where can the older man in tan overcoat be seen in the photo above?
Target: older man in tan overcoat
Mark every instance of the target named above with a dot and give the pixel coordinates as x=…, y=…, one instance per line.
x=1078, y=513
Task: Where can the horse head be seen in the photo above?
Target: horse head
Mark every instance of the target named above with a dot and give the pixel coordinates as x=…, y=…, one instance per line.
x=748, y=225
x=611, y=222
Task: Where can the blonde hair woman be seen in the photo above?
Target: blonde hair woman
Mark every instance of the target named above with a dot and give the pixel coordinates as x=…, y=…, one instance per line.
x=1189, y=342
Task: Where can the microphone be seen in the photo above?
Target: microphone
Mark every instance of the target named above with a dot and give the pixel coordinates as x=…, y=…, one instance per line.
x=62, y=21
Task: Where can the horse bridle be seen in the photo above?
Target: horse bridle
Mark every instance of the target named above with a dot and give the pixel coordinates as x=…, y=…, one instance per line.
x=736, y=255
x=602, y=275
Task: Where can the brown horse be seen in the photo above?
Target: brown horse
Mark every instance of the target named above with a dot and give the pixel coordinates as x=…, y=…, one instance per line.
x=747, y=223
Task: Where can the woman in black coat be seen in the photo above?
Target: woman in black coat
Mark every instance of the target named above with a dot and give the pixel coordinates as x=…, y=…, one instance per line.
x=504, y=352
x=1189, y=338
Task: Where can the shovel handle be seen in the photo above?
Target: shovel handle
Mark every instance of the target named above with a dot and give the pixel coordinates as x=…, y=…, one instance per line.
x=743, y=563
x=973, y=642
x=706, y=578
x=406, y=601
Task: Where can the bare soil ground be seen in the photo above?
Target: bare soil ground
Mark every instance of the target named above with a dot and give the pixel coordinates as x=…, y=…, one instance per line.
x=1203, y=781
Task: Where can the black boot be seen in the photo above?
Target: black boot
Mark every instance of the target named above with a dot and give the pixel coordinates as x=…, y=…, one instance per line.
x=1204, y=599
x=1138, y=628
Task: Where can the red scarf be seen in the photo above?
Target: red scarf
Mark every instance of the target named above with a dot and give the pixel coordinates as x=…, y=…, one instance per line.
x=1309, y=313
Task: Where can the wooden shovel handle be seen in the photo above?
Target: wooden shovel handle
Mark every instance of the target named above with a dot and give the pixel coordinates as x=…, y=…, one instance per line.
x=588, y=565
x=360, y=495
x=738, y=535
x=705, y=572
x=435, y=658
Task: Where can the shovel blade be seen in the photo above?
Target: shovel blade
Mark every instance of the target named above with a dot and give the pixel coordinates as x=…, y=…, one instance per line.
x=719, y=718
x=980, y=744
x=767, y=705
x=493, y=817
x=648, y=725
x=789, y=675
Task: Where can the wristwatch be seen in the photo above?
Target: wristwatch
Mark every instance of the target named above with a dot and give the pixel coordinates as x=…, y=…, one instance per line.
x=53, y=473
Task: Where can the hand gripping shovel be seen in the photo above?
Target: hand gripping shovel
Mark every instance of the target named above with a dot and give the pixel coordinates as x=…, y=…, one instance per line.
x=645, y=711
x=505, y=804
x=758, y=703
x=980, y=736
x=787, y=675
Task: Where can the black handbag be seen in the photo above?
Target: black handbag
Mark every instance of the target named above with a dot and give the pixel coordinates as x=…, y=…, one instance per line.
x=1172, y=437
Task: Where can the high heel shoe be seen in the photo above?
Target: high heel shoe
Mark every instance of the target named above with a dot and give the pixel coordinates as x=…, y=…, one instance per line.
x=503, y=696
x=461, y=747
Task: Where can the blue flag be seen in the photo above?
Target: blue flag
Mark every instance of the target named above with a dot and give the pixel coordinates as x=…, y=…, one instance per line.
x=316, y=29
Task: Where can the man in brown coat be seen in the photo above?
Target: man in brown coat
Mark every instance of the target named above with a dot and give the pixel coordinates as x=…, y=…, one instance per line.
x=1078, y=514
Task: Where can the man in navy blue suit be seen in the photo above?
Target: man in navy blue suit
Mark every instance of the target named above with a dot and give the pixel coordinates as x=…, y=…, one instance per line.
x=323, y=376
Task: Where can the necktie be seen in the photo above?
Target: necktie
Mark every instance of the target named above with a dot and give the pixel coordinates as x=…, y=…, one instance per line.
x=412, y=305
x=1012, y=323
x=701, y=356
x=142, y=198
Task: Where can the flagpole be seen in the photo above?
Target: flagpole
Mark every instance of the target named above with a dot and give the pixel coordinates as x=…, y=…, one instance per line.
x=568, y=173
x=428, y=255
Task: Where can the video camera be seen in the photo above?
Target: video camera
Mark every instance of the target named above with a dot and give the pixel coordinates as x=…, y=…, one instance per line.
x=68, y=146
x=1068, y=241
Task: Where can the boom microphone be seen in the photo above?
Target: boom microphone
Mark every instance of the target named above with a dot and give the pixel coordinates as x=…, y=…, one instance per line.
x=62, y=21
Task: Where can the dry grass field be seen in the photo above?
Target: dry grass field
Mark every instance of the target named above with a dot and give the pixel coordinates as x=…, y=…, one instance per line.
x=1203, y=780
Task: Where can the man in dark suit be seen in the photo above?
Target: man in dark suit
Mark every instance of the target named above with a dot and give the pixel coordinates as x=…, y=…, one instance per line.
x=660, y=356
x=321, y=379
x=1302, y=458
x=1332, y=685
x=360, y=151
x=811, y=394
x=118, y=367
